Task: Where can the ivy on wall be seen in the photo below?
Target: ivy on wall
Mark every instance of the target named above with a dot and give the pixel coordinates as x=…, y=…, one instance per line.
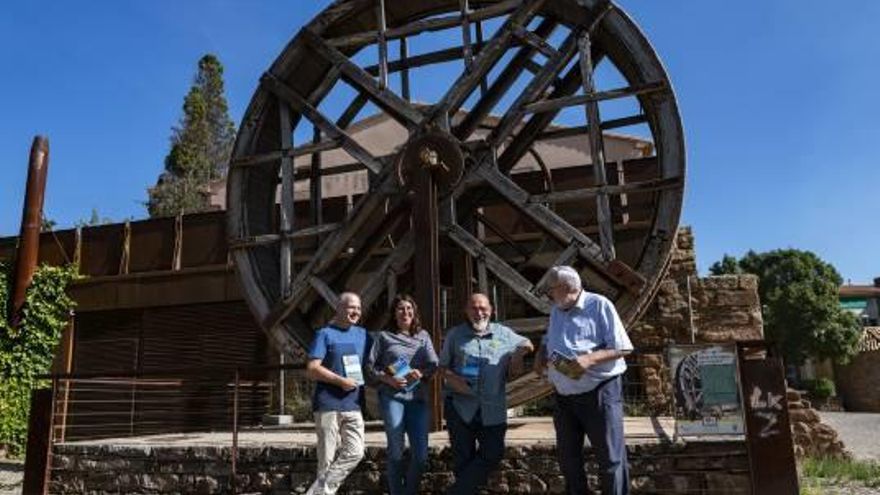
x=26, y=352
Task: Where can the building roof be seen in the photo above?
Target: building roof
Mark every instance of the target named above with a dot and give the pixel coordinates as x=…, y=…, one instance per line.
x=859, y=291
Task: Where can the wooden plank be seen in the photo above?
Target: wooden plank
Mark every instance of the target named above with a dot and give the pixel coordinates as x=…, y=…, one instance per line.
x=352, y=110
x=383, y=46
x=467, y=51
x=483, y=63
x=536, y=87
x=500, y=85
x=566, y=257
x=404, y=72
x=404, y=112
x=331, y=248
x=266, y=239
x=591, y=192
x=394, y=263
x=289, y=95
x=564, y=132
x=597, y=149
x=275, y=156
x=507, y=274
x=316, y=191
x=286, y=210
x=425, y=25
x=570, y=101
x=535, y=41
x=559, y=228
x=328, y=294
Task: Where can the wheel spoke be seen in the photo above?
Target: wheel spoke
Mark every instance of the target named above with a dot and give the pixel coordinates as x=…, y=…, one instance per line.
x=404, y=112
x=289, y=95
x=483, y=63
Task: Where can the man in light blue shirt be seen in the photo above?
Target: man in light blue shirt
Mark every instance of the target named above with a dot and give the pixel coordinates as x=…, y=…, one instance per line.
x=582, y=354
x=476, y=359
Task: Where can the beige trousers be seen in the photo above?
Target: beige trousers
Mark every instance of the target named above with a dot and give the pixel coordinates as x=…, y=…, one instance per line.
x=340, y=448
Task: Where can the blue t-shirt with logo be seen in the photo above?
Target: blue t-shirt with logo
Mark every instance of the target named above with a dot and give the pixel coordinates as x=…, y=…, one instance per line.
x=331, y=345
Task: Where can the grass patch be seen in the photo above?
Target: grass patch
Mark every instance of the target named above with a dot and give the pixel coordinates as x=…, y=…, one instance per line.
x=866, y=473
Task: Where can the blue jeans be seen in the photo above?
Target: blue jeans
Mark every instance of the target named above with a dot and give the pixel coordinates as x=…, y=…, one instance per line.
x=408, y=418
x=598, y=414
x=472, y=465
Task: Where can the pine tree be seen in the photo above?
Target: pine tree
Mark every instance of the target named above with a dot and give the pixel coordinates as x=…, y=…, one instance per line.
x=200, y=146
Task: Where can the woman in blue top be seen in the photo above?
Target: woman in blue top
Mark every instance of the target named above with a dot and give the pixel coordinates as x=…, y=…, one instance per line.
x=399, y=363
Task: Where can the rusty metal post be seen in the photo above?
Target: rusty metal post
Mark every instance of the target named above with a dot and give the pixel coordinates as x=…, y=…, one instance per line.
x=426, y=263
x=31, y=221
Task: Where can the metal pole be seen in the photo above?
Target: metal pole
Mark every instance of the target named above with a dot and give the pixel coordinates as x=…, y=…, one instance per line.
x=31, y=221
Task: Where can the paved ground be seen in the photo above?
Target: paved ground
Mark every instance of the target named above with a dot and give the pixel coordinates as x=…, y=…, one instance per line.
x=860, y=432
x=520, y=431
x=10, y=477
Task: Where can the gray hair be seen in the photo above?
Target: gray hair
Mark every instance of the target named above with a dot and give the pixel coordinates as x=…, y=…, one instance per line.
x=346, y=297
x=565, y=275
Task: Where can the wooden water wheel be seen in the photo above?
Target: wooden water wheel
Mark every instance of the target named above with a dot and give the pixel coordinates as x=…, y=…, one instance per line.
x=453, y=207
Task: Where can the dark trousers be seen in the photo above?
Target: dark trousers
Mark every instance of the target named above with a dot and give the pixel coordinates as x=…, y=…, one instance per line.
x=472, y=464
x=598, y=414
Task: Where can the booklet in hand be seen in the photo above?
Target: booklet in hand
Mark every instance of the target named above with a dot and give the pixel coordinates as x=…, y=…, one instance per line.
x=351, y=363
x=566, y=365
x=400, y=369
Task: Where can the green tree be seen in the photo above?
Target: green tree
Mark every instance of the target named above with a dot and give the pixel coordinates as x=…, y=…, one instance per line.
x=200, y=146
x=799, y=298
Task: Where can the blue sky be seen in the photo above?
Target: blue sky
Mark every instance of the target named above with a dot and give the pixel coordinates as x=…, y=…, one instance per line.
x=779, y=99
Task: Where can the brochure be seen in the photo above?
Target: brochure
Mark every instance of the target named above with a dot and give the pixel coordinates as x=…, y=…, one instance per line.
x=399, y=369
x=351, y=363
x=566, y=365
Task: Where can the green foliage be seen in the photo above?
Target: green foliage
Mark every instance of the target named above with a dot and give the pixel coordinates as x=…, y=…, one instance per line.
x=200, y=146
x=94, y=219
x=27, y=351
x=837, y=471
x=822, y=388
x=799, y=297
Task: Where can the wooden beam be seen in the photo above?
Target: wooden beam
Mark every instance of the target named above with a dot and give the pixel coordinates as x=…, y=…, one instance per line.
x=394, y=263
x=467, y=51
x=286, y=210
x=404, y=112
x=316, y=190
x=423, y=26
x=576, y=195
x=331, y=248
x=328, y=294
x=483, y=63
x=266, y=239
x=564, y=132
x=500, y=85
x=570, y=101
x=566, y=257
x=536, y=87
x=383, y=46
x=537, y=42
x=597, y=149
x=275, y=156
x=507, y=274
x=289, y=95
x=558, y=227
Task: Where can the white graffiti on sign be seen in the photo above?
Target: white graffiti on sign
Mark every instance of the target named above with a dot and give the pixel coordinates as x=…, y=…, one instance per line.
x=767, y=406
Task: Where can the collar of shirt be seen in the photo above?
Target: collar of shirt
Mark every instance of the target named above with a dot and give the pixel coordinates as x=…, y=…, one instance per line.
x=580, y=303
x=490, y=329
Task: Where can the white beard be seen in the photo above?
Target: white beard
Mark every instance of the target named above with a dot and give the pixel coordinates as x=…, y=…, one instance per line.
x=480, y=326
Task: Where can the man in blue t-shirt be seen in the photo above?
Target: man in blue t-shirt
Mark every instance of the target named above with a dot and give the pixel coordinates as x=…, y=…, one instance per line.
x=335, y=364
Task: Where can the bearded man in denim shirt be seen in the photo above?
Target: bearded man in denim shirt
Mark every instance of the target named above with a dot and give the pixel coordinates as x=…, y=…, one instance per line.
x=476, y=359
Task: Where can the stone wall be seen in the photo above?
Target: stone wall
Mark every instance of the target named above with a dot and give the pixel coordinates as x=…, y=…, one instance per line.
x=719, y=309
x=698, y=467
x=811, y=437
x=858, y=382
